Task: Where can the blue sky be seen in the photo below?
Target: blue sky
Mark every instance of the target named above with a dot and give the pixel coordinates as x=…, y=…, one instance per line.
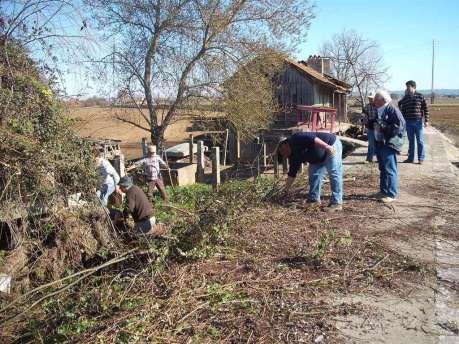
x=404, y=30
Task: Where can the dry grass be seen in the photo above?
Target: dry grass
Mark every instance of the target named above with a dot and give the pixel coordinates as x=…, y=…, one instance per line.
x=270, y=276
x=446, y=118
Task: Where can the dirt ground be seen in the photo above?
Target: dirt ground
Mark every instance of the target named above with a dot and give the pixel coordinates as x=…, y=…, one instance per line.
x=424, y=222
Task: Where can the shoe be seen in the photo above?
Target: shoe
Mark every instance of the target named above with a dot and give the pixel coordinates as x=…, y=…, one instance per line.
x=407, y=161
x=311, y=204
x=420, y=162
x=387, y=199
x=379, y=194
x=334, y=207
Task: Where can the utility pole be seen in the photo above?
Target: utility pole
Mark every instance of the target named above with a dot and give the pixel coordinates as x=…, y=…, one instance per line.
x=432, y=95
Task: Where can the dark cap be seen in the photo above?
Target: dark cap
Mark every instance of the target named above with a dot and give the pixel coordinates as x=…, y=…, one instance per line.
x=411, y=83
x=125, y=182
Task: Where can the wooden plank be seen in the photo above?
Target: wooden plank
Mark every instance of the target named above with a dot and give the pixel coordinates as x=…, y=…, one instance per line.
x=191, y=148
x=215, y=168
x=200, y=161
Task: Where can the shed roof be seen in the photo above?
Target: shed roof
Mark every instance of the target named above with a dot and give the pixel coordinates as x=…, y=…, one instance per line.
x=338, y=85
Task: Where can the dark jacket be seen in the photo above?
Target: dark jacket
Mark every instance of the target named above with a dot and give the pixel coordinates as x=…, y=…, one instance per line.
x=414, y=107
x=138, y=204
x=393, y=127
x=304, y=149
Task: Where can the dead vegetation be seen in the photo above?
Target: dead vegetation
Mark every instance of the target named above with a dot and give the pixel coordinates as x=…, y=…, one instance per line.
x=41, y=163
x=237, y=267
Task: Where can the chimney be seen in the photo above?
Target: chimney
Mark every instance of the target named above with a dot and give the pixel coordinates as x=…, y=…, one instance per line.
x=320, y=64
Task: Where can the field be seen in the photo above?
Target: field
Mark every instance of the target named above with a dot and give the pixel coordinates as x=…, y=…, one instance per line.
x=445, y=116
x=102, y=123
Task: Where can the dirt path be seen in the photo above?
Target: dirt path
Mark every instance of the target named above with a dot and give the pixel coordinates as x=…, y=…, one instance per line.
x=428, y=203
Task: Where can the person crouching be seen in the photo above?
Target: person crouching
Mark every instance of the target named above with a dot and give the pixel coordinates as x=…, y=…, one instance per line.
x=323, y=152
x=139, y=207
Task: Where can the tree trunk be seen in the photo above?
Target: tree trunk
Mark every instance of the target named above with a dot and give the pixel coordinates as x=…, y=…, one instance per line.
x=147, y=83
x=157, y=136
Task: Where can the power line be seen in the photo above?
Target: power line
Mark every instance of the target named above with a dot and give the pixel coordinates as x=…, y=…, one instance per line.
x=432, y=94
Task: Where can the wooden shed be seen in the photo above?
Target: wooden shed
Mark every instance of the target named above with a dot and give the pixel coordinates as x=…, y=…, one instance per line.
x=309, y=83
x=298, y=83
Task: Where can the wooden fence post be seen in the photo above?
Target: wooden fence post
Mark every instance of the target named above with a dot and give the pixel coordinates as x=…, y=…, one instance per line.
x=264, y=156
x=191, y=144
x=200, y=167
x=119, y=165
x=144, y=146
x=215, y=168
x=276, y=166
x=225, y=149
x=285, y=165
x=238, y=148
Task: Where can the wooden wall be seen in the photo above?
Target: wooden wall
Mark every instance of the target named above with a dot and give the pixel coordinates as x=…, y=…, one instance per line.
x=296, y=88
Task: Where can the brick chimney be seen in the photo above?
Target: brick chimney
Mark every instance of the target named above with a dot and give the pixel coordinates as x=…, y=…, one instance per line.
x=320, y=64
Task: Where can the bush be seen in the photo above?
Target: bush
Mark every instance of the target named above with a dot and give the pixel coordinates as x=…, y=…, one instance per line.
x=42, y=160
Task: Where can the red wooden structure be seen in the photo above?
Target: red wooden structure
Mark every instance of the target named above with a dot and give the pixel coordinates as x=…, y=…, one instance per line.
x=330, y=115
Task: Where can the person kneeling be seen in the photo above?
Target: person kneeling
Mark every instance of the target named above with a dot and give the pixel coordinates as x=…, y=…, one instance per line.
x=140, y=208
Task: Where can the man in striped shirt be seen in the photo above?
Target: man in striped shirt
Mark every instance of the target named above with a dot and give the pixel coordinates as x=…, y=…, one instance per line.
x=414, y=109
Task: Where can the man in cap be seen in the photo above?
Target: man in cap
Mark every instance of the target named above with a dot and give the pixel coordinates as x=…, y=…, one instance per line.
x=151, y=171
x=138, y=205
x=323, y=152
x=368, y=119
x=414, y=109
x=389, y=129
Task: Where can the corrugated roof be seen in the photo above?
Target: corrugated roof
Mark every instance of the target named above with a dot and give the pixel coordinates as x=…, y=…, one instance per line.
x=327, y=80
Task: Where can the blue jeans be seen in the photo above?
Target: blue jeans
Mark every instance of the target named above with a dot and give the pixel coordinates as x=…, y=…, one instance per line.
x=334, y=168
x=105, y=191
x=387, y=162
x=371, y=144
x=415, y=131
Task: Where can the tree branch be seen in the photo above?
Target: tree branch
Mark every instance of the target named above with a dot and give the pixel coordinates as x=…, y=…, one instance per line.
x=131, y=122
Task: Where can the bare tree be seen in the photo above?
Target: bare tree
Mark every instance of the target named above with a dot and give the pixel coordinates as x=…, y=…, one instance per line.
x=40, y=24
x=39, y=29
x=182, y=50
x=54, y=33
x=357, y=61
